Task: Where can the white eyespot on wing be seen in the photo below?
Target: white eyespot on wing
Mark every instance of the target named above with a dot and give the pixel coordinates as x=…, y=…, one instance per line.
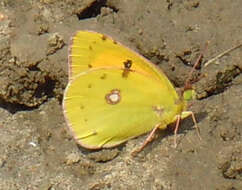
x=113, y=97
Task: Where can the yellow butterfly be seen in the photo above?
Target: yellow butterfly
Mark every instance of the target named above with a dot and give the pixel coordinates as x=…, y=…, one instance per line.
x=114, y=94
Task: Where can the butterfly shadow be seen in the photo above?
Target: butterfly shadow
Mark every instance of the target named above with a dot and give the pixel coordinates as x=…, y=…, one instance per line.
x=102, y=155
x=185, y=126
x=15, y=107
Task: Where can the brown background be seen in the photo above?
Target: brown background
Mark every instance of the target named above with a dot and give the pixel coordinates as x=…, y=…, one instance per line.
x=36, y=151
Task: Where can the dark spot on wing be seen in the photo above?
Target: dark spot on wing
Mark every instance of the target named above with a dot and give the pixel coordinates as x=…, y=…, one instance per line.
x=89, y=66
x=128, y=64
x=158, y=110
x=104, y=76
x=89, y=86
x=127, y=68
x=104, y=37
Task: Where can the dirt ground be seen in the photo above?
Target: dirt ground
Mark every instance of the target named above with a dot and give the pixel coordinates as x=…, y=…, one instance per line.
x=36, y=150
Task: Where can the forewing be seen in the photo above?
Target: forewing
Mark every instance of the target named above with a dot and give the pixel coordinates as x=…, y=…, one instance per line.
x=90, y=50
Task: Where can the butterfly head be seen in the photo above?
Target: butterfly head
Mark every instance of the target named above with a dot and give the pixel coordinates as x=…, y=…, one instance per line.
x=188, y=93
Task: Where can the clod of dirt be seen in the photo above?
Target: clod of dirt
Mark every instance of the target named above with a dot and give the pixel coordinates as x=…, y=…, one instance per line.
x=84, y=167
x=24, y=86
x=189, y=5
x=27, y=74
x=99, y=185
x=104, y=155
x=41, y=27
x=228, y=132
x=229, y=161
x=2, y=162
x=216, y=82
x=55, y=42
x=72, y=158
x=189, y=56
x=4, y=50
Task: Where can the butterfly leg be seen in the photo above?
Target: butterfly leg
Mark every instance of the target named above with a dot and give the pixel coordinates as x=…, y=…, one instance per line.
x=190, y=113
x=196, y=126
x=176, y=129
x=182, y=116
x=147, y=140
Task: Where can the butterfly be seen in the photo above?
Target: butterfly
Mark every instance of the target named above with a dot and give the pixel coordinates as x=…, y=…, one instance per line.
x=114, y=94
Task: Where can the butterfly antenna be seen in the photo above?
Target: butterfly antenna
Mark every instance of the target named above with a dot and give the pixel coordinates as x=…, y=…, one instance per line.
x=188, y=81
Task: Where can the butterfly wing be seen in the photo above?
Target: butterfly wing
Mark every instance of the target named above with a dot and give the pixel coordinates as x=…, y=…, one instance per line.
x=90, y=50
x=103, y=108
